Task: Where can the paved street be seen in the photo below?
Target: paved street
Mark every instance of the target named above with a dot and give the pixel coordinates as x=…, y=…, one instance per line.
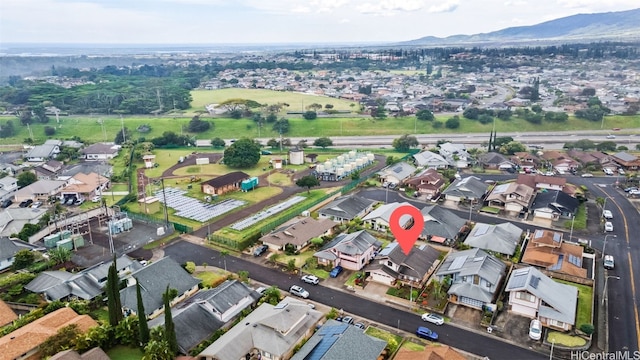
x=481, y=344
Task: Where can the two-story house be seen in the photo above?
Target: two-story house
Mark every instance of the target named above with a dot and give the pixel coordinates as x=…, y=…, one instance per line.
x=441, y=225
x=547, y=249
x=455, y=154
x=474, y=275
x=469, y=189
x=501, y=238
x=511, y=197
x=351, y=251
x=392, y=265
x=535, y=295
x=428, y=183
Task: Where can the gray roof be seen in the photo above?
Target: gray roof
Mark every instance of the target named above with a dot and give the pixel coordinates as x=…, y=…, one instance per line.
x=418, y=262
x=100, y=148
x=469, y=187
x=41, y=187
x=559, y=300
x=12, y=220
x=7, y=248
x=346, y=207
x=428, y=158
x=154, y=279
x=41, y=151
x=351, y=244
x=401, y=170
x=195, y=318
x=339, y=341
x=555, y=200
x=492, y=158
x=502, y=238
x=625, y=156
x=384, y=212
x=473, y=262
x=441, y=222
x=273, y=329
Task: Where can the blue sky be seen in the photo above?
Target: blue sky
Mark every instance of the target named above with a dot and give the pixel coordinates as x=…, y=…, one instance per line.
x=273, y=21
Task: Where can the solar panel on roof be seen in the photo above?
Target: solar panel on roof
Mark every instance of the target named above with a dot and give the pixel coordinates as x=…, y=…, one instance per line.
x=534, y=282
x=575, y=260
x=481, y=229
x=398, y=170
x=330, y=334
x=558, y=264
x=457, y=262
x=557, y=237
x=538, y=234
x=518, y=280
x=500, y=188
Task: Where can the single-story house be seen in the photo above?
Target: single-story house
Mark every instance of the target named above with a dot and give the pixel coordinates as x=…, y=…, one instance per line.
x=392, y=265
x=93, y=354
x=13, y=219
x=338, y=340
x=41, y=189
x=225, y=183
x=351, y=251
x=626, y=160
x=501, y=238
x=8, y=250
x=428, y=159
x=430, y=352
x=49, y=150
x=7, y=315
x=49, y=170
x=541, y=182
x=396, y=173
x=494, y=160
x=297, y=234
x=475, y=277
x=552, y=205
x=467, y=189
x=84, y=186
x=346, y=208
x=427, y=183
x=100, y=151
x=441, y=225
x=8, y=184
x=269, y=332
x=535, y=295
x=379, y=218
x=455, y=154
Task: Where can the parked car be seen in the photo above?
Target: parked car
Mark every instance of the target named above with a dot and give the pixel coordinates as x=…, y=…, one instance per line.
x=26, y=203
x=95, y=199
x=433, y=318
x=6, y=203
x=359, y=325
x=78, y=202
x=347, y=320
x=261, y=290
x=335, y=271
x=299, y=291
x=608, y=171
x=608, y=262
x=587, y=175
x=621, y=171
x=70, y=201
x=260, y=250
x=549, y=173
x=310, y=279
x=535, y=329
x=426, y=333
x=36, y=204
x=608, y=226
x=607, y=214
x=631, y=188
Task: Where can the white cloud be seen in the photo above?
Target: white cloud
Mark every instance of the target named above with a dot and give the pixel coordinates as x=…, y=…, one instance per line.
x=344, y=21
x=390, y=7
x=301, y=10
x=444, y=7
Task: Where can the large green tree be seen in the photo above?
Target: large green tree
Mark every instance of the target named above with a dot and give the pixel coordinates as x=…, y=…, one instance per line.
x=22, y=259
x=405, y=142
x=143, y=327
x=242, y=153
x=308, y=182
x=323, y=142
x=425, y=115
x=26, y=178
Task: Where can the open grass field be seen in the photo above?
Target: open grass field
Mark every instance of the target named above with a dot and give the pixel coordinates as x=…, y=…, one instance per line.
x=296, y=101
x=88, y=128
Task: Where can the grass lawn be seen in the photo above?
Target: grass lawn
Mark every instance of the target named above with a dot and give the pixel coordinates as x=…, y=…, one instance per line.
x=166, y=158
x=300, y=259
x=411, y=346
x=393, y=341
x=212, y=277
x=565, y=339
x=101, y=315
x=280, y=179
x=585, y=303
x=125, y=353
x=322, y=274
x=119, y=187
x=217, y=169
x=580, y=221
x=297, y=101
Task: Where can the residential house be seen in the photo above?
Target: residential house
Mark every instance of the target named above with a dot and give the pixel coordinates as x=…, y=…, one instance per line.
x=49, y=170
x=8, y=250
x=85, y=284
x=154, y=280
x=392, y=265
x=541, y=182
x=586, y=158
x=396, y=173
x=512, y=197
x=496, y=161
x=428, y=183
x=7, y=315
x=455, y=154
x=94, y=354
x=626, y=160
x=431, y=160
x=13, y=219
x=338, y=340
x=565, y=165
x=441, y=225
x=430, y=352
x=346, y=208
x=41, y=189
x=100, y=151
x=49, y=150
x=351, y=251
x=469, y=189
x=379, y=218
x=525, y=160
x=85, y=186
x=8, y=185
x=547, y=249
x=501, y=238
x=552, y=205
x=535, y=295
x=225, y=183
x=207, y=311
x=475, y=277
x=269, y=332
x=24, y=342
x=297, y=234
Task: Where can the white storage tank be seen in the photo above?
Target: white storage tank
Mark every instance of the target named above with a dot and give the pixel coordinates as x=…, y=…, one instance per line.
x=347, y=168
x=341, y=159
x=320, y=168
x=352, y=154
x=340, y=171
x=327, y=164
x=359, y=162
x=371, y=157
x=353, y=165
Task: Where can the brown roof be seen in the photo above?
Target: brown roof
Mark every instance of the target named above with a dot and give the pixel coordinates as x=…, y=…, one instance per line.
x=546, y=248
x=523, y=194
x=299, y=233
x=85, y=183
x=428, y=179
x=6, y=314
x=35, y=333
x=430, y=352
x=93, y=354
x=534, y=180
x=552, y=155
x=227, y=179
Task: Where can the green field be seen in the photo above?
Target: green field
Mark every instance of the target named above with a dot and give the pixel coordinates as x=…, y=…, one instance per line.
x=296, y=101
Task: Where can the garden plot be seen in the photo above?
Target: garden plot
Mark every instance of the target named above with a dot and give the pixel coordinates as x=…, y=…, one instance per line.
x=249, y=221
x=193, y=209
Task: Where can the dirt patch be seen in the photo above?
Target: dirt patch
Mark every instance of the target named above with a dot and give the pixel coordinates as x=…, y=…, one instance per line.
x=464, y=315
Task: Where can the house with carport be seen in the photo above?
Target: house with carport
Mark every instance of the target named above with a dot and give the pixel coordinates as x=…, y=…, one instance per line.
x=392, y=265
x=469, y=189
x=351, y=251
x=297, y=234
x=441, y=225
x=497, y=238
x=346, y=208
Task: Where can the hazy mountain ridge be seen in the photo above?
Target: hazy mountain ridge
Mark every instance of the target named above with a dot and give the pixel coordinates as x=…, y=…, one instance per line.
x=620, y=25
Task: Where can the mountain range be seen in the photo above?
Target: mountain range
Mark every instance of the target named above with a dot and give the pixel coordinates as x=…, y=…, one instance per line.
x=609, y=26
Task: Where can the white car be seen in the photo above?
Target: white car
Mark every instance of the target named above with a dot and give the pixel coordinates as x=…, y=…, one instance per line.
x=621, y=172
x=549, y=173
x=611, y=136
x=433, y=318
x=535, y=329
x=608, y=262
x=310, y=279
x=607, y=214
x=587, y=175
x=299, y=291
x=608, y=226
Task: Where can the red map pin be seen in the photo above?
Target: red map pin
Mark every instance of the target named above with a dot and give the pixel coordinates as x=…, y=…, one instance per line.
x=406, y=237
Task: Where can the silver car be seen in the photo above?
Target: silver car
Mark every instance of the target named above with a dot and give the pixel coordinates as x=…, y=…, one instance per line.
x=299, y=291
